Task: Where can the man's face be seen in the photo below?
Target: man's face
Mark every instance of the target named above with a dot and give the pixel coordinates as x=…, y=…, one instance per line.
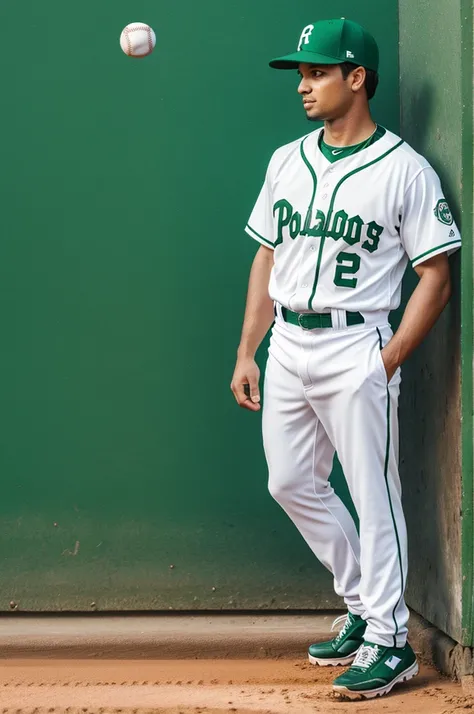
x=326, y=94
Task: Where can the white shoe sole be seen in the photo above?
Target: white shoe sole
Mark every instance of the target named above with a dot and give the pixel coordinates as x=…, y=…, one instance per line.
x=341, y=661
x=372, y=693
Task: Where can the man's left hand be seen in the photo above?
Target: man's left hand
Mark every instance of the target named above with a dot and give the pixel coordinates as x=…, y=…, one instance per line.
x=391, y=365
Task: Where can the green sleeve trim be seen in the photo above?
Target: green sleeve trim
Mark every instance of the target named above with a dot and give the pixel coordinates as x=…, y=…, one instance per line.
x=433, y=250
x=257, y=236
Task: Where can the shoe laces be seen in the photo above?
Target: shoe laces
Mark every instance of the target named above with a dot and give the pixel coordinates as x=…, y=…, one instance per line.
x=366, y=656
x=347, y=623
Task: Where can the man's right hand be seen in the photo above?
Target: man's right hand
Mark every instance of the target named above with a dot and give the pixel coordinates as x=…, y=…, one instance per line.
x=246, y=372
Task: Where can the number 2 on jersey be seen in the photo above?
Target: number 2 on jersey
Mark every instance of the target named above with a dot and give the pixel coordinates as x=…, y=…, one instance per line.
x=347, y=264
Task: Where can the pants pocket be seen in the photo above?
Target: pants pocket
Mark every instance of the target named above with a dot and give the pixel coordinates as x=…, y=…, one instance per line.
x=384, y=335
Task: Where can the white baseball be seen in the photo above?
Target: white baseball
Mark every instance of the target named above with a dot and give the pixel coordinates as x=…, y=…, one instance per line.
x=138, y=40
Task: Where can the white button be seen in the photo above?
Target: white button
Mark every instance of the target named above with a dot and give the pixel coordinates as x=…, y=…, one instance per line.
x=312, y=248
x=305, y=285
x=325, y=185
x=325, y=195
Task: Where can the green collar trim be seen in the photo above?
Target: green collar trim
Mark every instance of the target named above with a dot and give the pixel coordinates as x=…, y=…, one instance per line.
x=334, y=153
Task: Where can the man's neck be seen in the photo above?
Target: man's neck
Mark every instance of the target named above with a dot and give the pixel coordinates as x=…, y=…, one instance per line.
x=349, y=130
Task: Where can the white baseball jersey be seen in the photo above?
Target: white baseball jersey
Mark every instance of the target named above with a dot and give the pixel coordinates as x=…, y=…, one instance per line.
x=343, y=232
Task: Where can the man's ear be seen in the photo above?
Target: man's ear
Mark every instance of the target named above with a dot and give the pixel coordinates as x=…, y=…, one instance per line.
x=358, y=78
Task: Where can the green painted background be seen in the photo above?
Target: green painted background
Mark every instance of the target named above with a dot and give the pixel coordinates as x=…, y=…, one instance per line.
x=123, y=269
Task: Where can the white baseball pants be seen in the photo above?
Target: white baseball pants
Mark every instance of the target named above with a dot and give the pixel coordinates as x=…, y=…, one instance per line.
x=326, y=390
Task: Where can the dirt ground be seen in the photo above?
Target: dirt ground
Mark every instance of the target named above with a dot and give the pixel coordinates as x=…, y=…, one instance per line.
x=205, y=687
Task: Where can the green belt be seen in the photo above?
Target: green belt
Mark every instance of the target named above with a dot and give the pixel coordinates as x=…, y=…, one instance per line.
x=312, y=320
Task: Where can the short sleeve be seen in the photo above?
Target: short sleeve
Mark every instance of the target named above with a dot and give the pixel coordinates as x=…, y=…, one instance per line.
x=427, y=226
x=260, y=224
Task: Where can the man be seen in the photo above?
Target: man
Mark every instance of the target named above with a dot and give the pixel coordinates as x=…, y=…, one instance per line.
x=340, y=214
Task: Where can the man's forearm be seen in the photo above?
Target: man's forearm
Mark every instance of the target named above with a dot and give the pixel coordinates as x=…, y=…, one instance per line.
x=259, y=308
x=423, y=309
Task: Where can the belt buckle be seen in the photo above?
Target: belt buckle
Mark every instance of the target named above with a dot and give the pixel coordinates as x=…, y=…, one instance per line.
x=301, y=321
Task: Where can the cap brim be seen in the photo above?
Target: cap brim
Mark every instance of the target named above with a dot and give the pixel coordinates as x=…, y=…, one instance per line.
x=292, y=61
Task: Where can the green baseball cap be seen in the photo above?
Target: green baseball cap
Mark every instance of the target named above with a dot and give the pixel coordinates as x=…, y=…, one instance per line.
x=333, y=42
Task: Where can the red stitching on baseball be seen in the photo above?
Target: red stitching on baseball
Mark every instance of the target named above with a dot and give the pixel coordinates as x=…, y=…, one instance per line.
x=128, y=31
x=128, y=43
x=134, y=29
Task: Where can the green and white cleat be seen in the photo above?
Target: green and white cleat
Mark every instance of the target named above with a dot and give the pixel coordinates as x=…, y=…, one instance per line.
x=343, y=649
x=376, y=670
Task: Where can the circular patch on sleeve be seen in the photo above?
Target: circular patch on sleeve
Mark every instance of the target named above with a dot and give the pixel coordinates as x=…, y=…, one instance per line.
x=443, y=212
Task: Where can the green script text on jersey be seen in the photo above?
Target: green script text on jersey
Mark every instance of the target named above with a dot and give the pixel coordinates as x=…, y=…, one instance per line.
x=351, y=229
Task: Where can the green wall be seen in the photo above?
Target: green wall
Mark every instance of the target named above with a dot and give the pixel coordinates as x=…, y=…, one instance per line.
x=467, y=319
x=436, y=118
x=126, y=186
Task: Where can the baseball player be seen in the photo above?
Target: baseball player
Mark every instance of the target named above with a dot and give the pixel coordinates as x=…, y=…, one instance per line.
x=340, y=214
